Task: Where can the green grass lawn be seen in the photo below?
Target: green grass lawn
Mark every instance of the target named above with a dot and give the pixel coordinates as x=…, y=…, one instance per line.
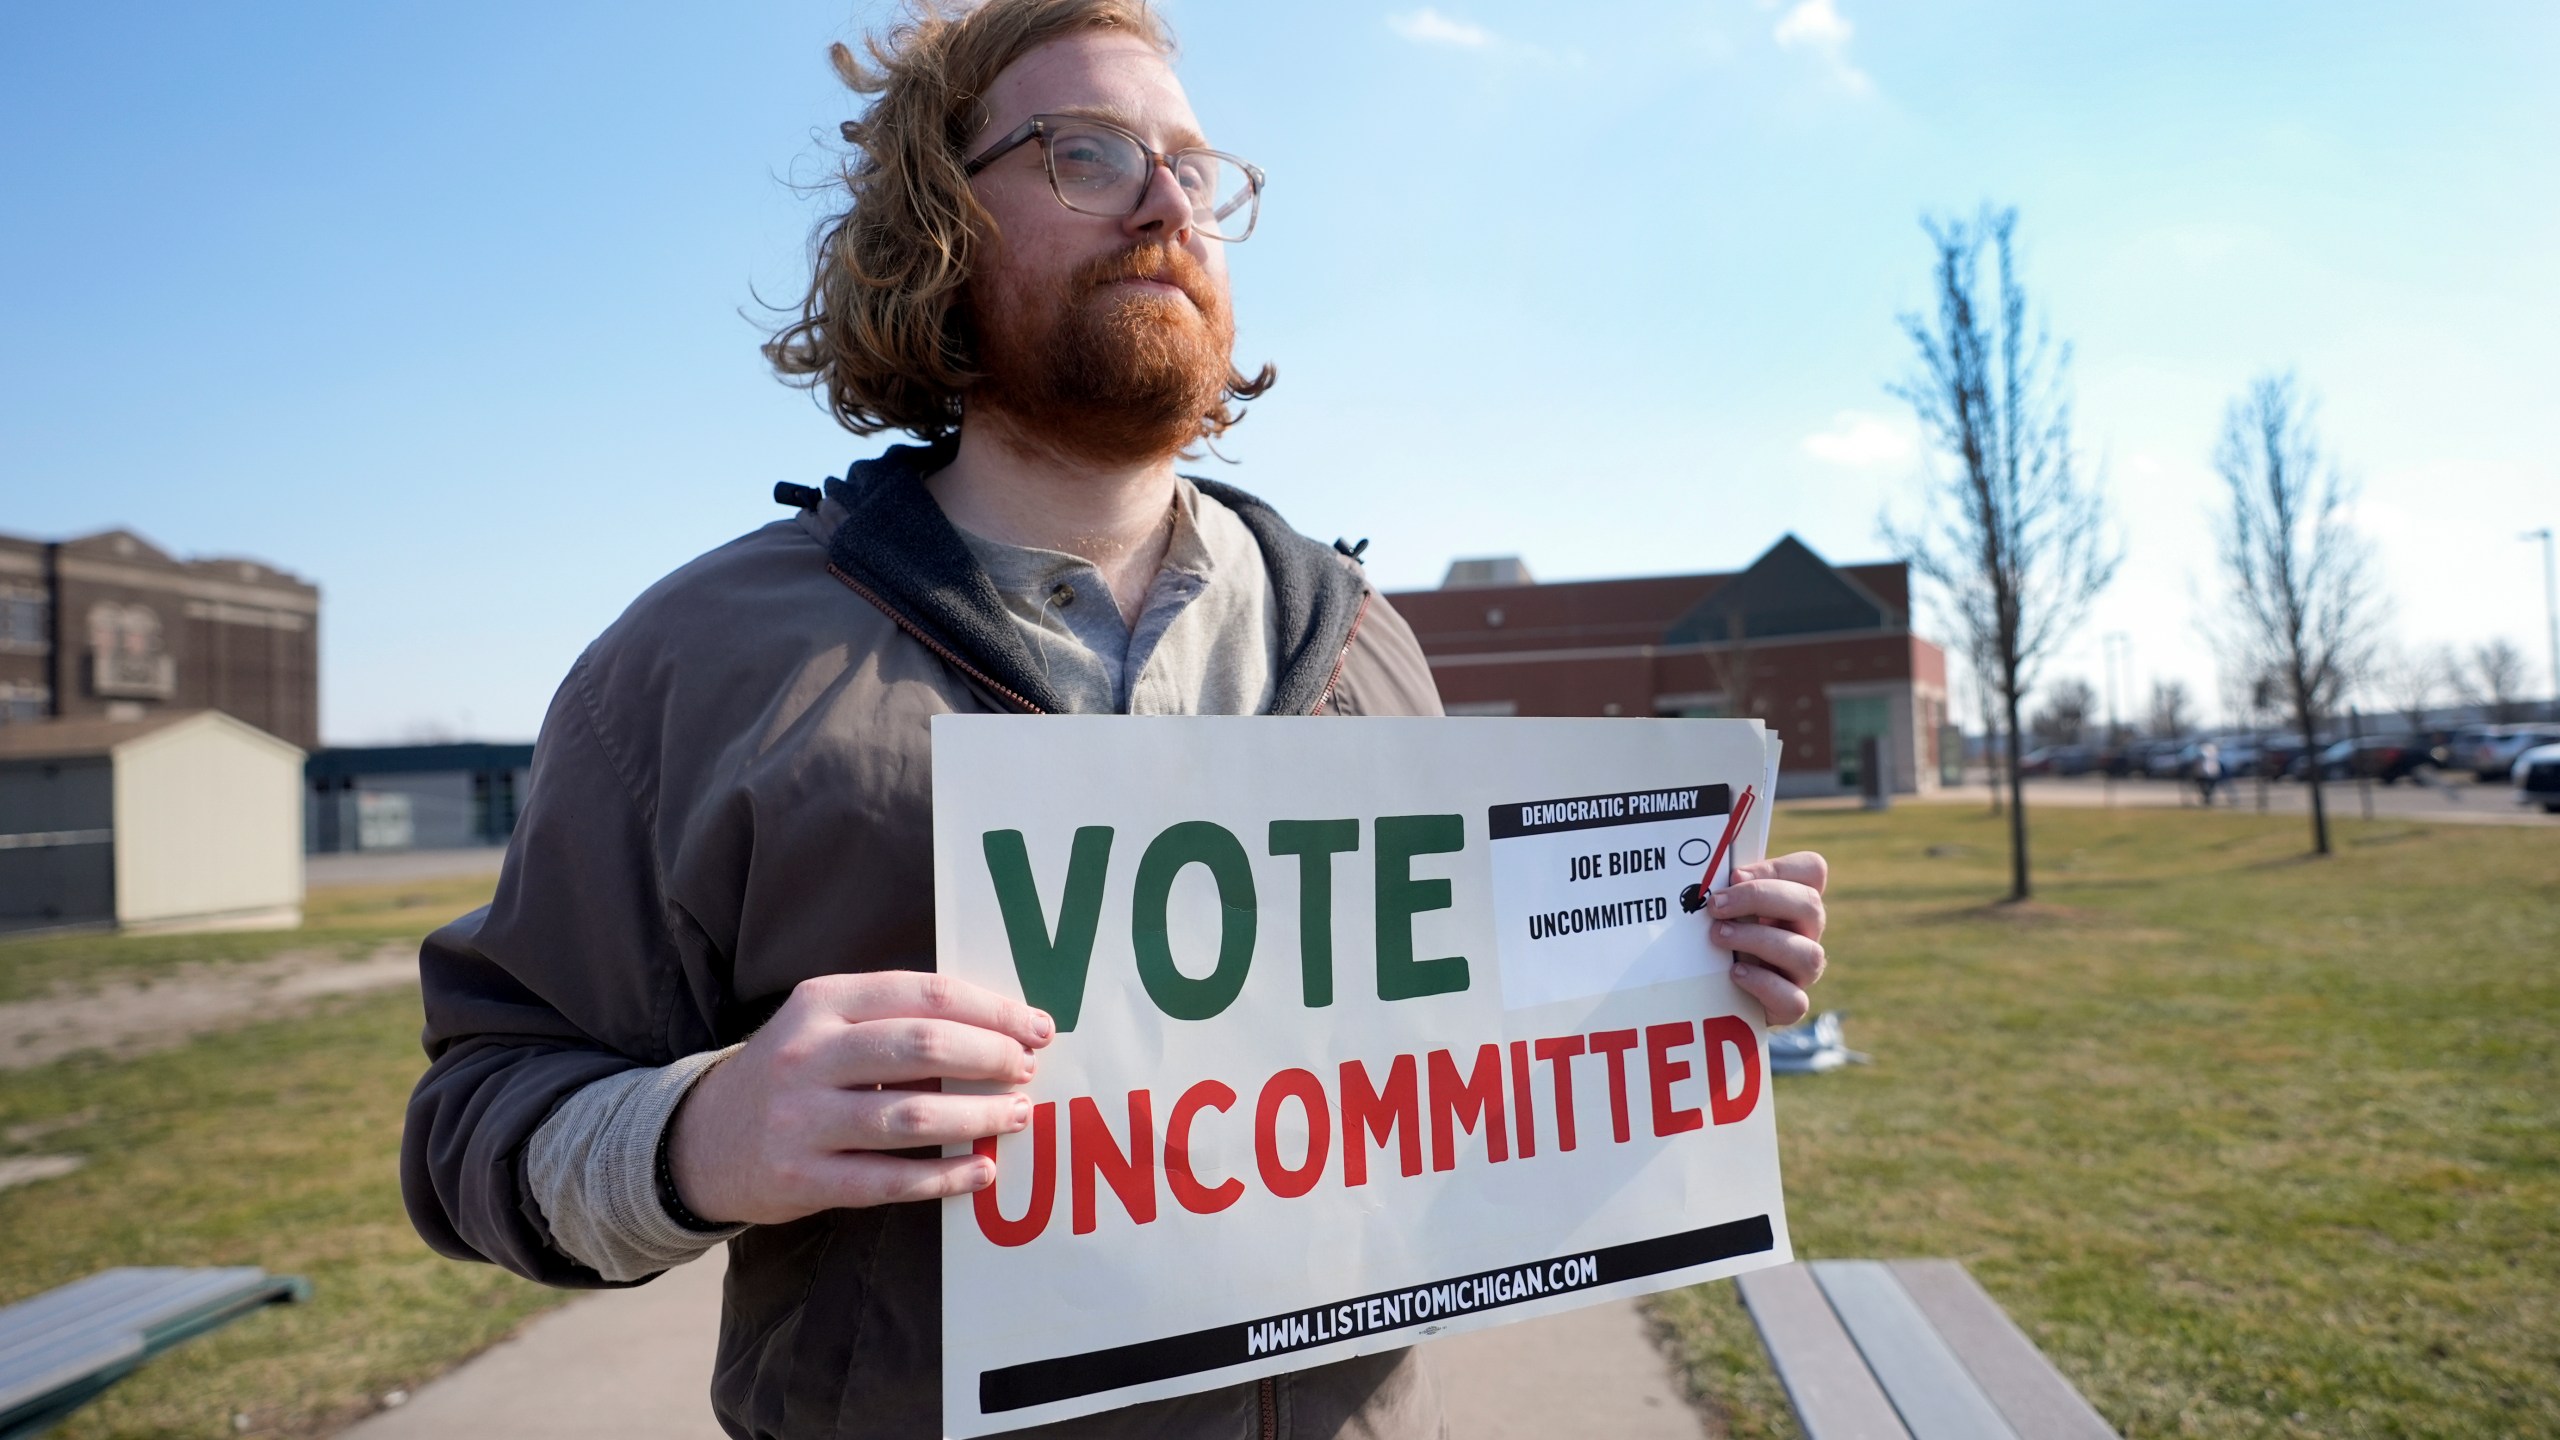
x=2238, y=1137
x=277, y=1146
x=2251, y=1144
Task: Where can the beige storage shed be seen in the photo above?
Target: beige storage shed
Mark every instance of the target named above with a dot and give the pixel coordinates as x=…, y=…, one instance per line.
x=189, y=820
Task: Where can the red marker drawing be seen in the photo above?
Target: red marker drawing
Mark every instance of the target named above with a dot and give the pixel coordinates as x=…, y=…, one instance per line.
x=1694, y=899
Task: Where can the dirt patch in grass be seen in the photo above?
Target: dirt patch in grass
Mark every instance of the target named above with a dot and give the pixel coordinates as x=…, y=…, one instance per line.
x=124, y=1018
x=340, y=923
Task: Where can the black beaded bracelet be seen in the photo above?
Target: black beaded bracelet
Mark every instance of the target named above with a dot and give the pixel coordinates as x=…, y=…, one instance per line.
x=669, y=1198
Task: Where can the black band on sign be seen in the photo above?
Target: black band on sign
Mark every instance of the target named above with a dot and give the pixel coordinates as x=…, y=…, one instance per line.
x=1590, y=812
x=1042, y=1382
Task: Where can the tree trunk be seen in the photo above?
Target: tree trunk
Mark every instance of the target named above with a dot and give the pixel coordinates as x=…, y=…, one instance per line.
x=2018, y=887
x=2303, y=721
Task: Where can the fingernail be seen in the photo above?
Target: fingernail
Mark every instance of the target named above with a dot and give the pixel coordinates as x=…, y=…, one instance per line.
x=1724, y=930
x=985, y=1176
x=1021, y=1111
x=1740, y=969
x=1720, y=901
x=1042, y=1027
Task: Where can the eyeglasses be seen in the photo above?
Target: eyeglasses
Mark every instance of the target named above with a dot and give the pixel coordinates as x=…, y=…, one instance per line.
x=1097, y=168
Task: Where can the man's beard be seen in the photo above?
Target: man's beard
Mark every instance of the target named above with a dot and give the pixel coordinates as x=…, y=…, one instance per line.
x=1109, y=377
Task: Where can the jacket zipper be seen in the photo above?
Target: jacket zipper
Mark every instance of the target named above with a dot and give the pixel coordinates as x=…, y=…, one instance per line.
x=1270, y=1408
x=1344, y=658
x=948, y=657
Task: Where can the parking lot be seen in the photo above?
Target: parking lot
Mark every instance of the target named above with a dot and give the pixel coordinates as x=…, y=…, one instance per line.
x=2460, y=799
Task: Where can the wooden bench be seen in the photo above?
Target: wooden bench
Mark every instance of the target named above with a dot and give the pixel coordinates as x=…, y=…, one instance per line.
x=1908, y=1350
x=62, y=1349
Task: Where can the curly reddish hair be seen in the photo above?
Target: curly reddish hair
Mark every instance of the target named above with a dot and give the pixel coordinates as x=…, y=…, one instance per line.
x=884, y=330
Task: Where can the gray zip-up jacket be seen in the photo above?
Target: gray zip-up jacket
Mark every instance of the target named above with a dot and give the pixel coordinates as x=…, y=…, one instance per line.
x=732, y=793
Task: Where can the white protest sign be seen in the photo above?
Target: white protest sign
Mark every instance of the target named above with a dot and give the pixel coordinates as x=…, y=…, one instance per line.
x=1370, y=1030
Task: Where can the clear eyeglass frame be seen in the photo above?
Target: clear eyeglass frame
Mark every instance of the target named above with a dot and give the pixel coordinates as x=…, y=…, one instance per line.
x=1228, y=216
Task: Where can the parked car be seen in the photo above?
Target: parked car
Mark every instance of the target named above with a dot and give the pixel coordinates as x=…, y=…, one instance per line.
x=2495, y=757
x=2439, y=748
x=2240, y=756
x=2280, y=756
x=2133, y=757
x=2169, y=760
x=2059, y=760
x=2462, y=747
x=2386, y=758
x=2537, y=777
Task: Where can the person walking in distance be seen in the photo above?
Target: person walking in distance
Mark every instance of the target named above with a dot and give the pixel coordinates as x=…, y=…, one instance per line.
x=2208, y=771
x=700, y=1009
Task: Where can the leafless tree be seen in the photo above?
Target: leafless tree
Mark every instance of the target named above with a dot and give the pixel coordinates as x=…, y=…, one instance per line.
x=2494, y=680
x=2064, y=717
x=2168, y=709
x=2302, y=601
x=2013, y=536
x=2411, y=679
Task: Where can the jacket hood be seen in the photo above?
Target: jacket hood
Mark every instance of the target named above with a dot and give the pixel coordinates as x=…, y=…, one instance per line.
x=896, y=544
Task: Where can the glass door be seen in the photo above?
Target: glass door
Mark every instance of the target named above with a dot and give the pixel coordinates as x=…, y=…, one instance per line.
x=1853, y=720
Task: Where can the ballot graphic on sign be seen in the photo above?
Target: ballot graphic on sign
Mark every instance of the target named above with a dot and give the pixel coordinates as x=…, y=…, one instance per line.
x=1585, y=889
x=1369, y=1031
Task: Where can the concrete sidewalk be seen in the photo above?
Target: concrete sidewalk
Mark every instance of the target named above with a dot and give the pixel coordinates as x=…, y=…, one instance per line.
x=636, y=1365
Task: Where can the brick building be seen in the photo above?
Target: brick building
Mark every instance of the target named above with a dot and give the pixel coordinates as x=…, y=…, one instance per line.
x=1825, y=654
x=110, y=627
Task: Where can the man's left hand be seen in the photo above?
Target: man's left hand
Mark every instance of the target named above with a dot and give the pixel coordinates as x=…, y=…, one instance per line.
x=1771, y=918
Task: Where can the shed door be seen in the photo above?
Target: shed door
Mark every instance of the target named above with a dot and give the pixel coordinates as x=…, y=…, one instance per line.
x=57, y=850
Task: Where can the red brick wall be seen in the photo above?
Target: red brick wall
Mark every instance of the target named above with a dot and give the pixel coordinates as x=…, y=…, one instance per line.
x=1792, y=677
x=243, y=638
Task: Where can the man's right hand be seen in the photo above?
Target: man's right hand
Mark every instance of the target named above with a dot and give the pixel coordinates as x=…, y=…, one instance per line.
x=793, y=1123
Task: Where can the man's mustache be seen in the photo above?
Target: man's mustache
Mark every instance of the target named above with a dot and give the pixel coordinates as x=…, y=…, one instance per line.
x=1167, y=263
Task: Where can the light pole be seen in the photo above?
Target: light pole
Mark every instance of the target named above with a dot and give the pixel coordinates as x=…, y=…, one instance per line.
x=2550, y=603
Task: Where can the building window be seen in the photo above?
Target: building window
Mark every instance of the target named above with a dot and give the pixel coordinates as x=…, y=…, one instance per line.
x=22, y=703
x=128, y=658
x=26, y=621
x=1482, y=707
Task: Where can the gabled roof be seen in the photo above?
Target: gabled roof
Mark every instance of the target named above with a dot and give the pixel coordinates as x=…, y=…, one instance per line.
x=73, y=739
x=86, y=737
x=119, y=544
x=129, y=547
x=1789, y=590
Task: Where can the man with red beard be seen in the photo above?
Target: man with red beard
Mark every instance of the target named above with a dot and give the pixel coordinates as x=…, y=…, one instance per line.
x=701, y=1007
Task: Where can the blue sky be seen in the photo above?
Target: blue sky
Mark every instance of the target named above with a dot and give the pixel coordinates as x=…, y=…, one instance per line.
x=441, y=306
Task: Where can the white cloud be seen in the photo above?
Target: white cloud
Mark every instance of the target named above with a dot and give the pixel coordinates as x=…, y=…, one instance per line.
x=1861, y=441
x=1818, y=28
x=1427, y=26
x=1814, y=25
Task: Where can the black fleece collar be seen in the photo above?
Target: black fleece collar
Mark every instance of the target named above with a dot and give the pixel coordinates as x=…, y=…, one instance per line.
x=896, y=543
